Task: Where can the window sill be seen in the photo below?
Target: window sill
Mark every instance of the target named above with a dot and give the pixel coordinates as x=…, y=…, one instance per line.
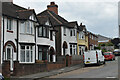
x=9, y=31
x=43, y=37
x=27, y=62
x=27, y=34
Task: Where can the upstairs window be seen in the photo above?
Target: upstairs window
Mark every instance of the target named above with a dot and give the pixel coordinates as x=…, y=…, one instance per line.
x=81, y=35
x=74, y=32
x=27, y=27
x=64, y=31
x=9, y=24
x=43, y=32
x=51, y=35
x=70, y=32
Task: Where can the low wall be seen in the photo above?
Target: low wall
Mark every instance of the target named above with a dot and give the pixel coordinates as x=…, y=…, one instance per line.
x=25, y=69
x=6, y=69
x=21, y=69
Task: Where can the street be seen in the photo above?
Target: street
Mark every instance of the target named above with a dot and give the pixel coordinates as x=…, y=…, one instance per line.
x=109, y=70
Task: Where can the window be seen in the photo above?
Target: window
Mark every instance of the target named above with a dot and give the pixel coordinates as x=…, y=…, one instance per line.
x=51, y=36
x=92, y=36
x=9, y=24
x=22, y=28
x=81, y=35
x=43, y=32
x=64, y=31
x=74, y=49
x=8, y=52
x=27, y=27
x=40, y=31
x=74, y=32
x=42, y=53
x=70, y=32
x=31, y=26
x=26, y=53
x=71, y=49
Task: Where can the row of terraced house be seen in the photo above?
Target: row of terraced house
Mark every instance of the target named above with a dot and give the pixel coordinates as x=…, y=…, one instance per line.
x=42, y=42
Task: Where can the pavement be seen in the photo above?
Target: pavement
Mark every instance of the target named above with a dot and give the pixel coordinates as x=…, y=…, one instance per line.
x=51, y=73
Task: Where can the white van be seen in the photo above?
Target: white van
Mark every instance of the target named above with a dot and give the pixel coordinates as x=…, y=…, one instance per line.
x=94, y=57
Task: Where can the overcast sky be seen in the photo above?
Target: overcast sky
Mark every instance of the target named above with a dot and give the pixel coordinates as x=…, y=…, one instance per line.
x=99, y=17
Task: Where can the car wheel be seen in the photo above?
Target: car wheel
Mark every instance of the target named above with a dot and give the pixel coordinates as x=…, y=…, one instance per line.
x=98, y=63
x=114, y=59
x=104, y=62
x=85, y=65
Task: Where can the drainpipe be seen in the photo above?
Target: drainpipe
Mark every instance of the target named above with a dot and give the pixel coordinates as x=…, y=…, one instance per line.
x=17, y=39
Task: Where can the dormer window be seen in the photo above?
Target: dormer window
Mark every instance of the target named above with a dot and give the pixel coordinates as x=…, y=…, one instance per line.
x=9, y=24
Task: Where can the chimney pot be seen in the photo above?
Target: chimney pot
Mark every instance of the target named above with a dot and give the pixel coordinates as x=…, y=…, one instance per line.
x=52, y=3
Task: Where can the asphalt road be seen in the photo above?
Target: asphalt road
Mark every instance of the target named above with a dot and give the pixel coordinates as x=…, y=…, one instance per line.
x=109, y=70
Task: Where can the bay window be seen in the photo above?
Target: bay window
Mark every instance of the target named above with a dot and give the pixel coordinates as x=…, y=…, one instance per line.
x=27, y=27
x=43, y=32
x=26, y=53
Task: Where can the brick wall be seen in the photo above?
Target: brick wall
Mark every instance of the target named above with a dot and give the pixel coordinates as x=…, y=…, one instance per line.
x=26, y=69
x=6, y=69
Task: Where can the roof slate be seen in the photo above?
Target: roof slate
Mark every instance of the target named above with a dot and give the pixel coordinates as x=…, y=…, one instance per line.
x=54, y=18
x=13, y=10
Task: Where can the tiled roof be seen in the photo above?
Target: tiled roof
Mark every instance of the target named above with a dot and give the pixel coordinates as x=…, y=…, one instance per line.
x=71, y=24
x=25, y=14
x=101, y=38
x=10, y=9
x=42, y=19
x=54, y=18
x=13, y=10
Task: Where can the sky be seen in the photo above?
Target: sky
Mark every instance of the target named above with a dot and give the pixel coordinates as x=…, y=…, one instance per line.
x=100, y=17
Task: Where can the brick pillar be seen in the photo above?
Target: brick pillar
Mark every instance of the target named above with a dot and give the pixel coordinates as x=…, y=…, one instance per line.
x=17, y=71
x=6, y=69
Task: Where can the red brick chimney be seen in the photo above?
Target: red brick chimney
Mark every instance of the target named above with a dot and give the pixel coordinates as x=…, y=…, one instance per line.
x=53, y=7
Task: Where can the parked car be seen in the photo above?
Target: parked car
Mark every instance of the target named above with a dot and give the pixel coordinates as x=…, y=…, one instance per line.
x=1, y=77
x=109, y=56
x=94, y=57
x=116, y=52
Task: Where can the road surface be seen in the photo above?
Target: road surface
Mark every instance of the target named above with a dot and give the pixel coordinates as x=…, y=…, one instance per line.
x=109, y=70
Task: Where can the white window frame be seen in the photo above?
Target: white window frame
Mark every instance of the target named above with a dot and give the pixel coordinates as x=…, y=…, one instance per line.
x=31, y=57
x=9, y=24
x=28, y=27
x=64, y=30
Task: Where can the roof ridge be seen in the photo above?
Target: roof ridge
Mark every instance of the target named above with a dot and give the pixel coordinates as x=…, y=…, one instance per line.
x=24, y=10
x=54, y=17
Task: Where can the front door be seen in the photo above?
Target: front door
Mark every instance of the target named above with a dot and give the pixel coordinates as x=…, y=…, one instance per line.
x=9, y=55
